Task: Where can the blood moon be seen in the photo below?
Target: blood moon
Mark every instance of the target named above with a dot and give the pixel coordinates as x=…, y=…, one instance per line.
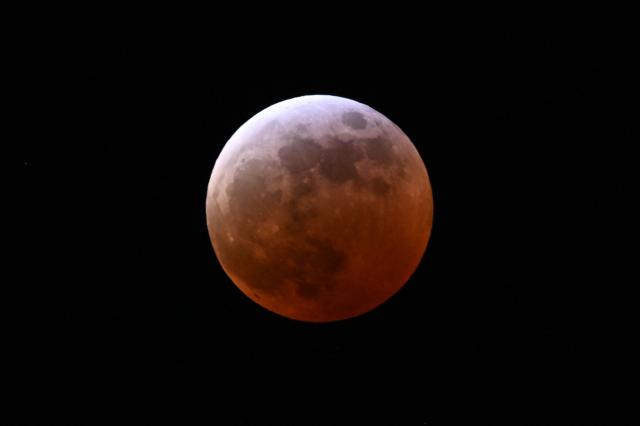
x=319, y=208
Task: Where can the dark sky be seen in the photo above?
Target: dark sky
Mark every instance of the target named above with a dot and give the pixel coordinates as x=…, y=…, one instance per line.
x=118, y=310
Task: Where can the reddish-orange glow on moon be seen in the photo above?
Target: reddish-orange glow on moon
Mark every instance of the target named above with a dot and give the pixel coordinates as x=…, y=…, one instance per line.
x=319, y=208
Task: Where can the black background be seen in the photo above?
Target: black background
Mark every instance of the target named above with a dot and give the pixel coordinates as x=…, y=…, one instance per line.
x=118, y=309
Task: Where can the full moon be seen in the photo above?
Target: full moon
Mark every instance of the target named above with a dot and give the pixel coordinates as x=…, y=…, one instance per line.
x=319, y=208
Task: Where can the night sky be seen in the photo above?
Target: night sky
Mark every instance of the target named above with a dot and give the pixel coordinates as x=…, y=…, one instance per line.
x=119, y=313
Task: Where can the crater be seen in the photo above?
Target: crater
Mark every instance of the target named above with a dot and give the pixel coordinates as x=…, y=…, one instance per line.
x=354, y=119
x=338, y=162
x=300, y=155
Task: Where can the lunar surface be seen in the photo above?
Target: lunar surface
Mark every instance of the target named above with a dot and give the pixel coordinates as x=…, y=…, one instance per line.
x=319, y=208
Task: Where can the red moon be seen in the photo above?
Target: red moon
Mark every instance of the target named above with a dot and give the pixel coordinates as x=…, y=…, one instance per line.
x=319, y=208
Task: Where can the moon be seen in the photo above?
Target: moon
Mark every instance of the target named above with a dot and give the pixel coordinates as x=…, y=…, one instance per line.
x=319, y=208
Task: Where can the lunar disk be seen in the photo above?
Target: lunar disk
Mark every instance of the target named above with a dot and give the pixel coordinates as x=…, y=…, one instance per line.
x=319, y=208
